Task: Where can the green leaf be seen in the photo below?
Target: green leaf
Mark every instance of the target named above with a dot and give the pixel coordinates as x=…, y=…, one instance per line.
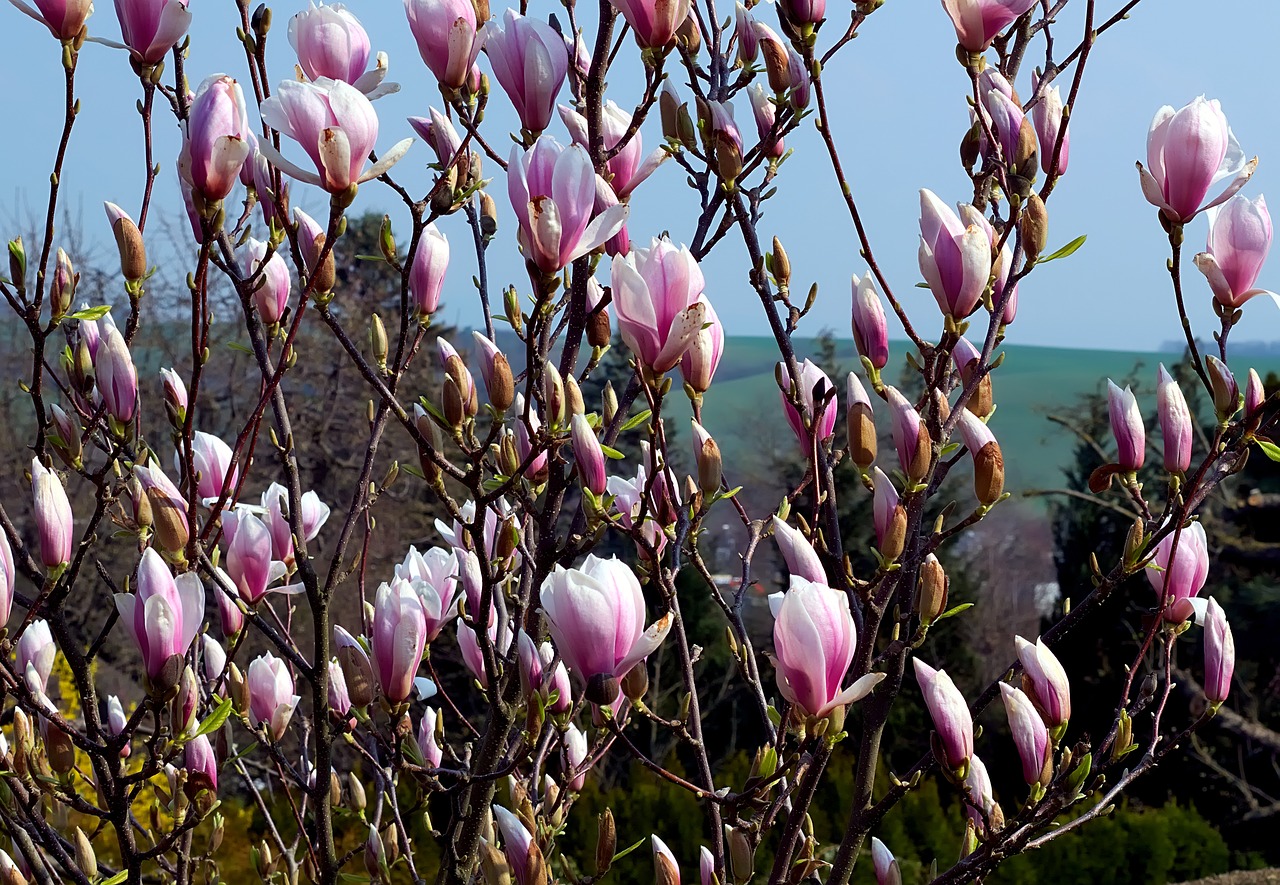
x=245, y=752
x=1066, y=250
x=90, y=313
x=370, y=258
x=118, y=878
x=635, y=421
x=922, y=285
x=952, y=612
x=612, y=454
x=1270, y=449
x=630, y=848
x=214, y=720
x=236, y=345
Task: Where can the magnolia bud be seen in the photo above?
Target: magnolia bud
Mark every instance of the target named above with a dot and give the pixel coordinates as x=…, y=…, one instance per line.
x=378, y=342
x=17, y=262
x=239, y=688
x=1024, y=158
x=133, y=252
x=508, y=455
x=573, y=402
x=1034, y=223
x=635, y=685
x=494, y=864
x=931, y=598
x=488, y=215
x=63, y=289
x=781, y=263
x=669, y=109
x=67, y=444
x=895, y=536
x=777, y=65
x=553, y=394
x=988, y=473
x=355, y=789
x=862, y=435
x=454, y=407
x=511, y=304
x=606, y=842
x=1226, y=393
x=502, y=388
x=598, y=332
x=168, y=521
x=427, y=428
x=706, y=454
x=609, y=403
x=86, y=859
x=742, y=854
x=687, y=35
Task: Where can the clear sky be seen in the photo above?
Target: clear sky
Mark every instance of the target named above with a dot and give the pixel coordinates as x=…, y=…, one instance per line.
x=900, y=112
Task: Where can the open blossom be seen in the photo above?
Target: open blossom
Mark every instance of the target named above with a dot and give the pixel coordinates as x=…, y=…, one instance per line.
x=1239, y=240
x=54, y=522
x=950, y=714
x=955, y=258
x=212, y=465
x=629, y=167
x=553, y=192
x=596, y=617
x=315, y=513
x=434, y=577
x=399, y=636
x=1182, y=579
x=530, y=61
x=814, y=641
x=978, y=22
x=1126, y=427
x=337, y=127
x=1188, y=152
x=657, y=294
x=164, y=615
x=216, y=139
x=815, y=390
x=628, y=501
x=446, y=34
x=654, y=22
x=249, y=561
x=150, y=28
x=331, y=42
x=63, y=18
x=271, y=697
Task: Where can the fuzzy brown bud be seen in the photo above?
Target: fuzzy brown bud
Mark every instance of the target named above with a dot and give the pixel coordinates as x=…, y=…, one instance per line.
x=742, y=854
x=922, y=457
x=573, y=402
x=454, y=408
x=598, y=332
x=1034, y=223
x=168, y=521
x=895, y=537
x=777, y=64
x=862, y=435
x=133, y=252
x=609, y=403
x=931, y=597
x=86, y=858
x=502, y=388
x=63, y=289
x=988, y=473
x=635, y=685
x=493, y=864
x=553, y=394
x=606, y=842
x=781, y=264
x=324, y=275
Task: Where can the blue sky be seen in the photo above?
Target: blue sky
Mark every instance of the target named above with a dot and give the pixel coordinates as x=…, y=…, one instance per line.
x=898, y=98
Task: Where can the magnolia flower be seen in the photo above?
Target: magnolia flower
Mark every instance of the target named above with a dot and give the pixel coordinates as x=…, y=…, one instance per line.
x=654, y=23
x=955, y=258
x=271, y=697
x=433, y=576
x=163, y=617
x=978, y=22
x=1175, y=423
x=271, y=294
x=331, y=42
x=801, y=559
x=627, y=169
x=335, y=124
x=815, y=390
x=63, y=18
x=530, y=60
x=1029, y=733
x=217, y=138
x=657, y=294
x=814, y=641
x=314, y=512
x=1219, y=653
x=212, y=466
x=54, y=521
x=1189, y=151
x=553, y=192
x=117, y=377
x=1239, y=240
x=36, y=653
x=699, y=363
x=1046, y=683
x=250, y=565
x=1126, y=427
x=427, y=742
x=426, y=275
x=596, y=617
x=399, y=636
x=446, y=34
x=1178, y=576
x=950, y=714
x=150, y=28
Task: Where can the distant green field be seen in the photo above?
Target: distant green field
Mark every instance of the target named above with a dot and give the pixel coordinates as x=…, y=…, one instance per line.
x=744, y=413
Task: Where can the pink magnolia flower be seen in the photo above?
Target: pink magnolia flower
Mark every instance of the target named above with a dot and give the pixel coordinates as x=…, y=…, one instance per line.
x=175, y=393
x=150, y=28
x=249, y=562
x=199, y=759
x=884, y=864
x=36, y=653
x=1255, y=394
x=630, y=166
x=814, y=388
x=955, y=258
x=1175, y=423
x=212, y=466
x=555, y=679
x=814, y=640
x=765, y=112
x=275, y=501
x=517, y=844
x=950, y=714
x=588, y=455
x=657, y=293
x=870, y=330
x=164, y=616
x=1126, y=427
x=1219, y=653
x=801, y=559
x=64, y=18
x=271, y=294
x=7, y=576
x=271, y=697
x=331, y=42
x=1029, y=733
x=575, y=755
x=744, y=29
x=426, y=276
x=433, y=576
x=473, y=655
x=654, y=21
x=1239, y=240
x=439, y=134
x=117, y=377
x=1047, y=116
x=446, y=34
x=399, y=636
x=217, y=138
x=553, y=193
x=1050, y=688
x=427, y=743
x=699, y=363
x=54, y=521
x=910, y=437
x=1181, y=580
x=978, y=22
x=664, y=860
x=629, y=499
x=596, y=617
x=884, y=503
x=335, y=124
x=978, y=786
x=1188, y=152
x=530, y=61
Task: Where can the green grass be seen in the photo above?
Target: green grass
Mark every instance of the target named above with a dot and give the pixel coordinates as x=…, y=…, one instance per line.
x=743, y=410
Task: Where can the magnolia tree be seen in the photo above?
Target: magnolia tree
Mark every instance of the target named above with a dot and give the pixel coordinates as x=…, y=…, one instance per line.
x=272, y=702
